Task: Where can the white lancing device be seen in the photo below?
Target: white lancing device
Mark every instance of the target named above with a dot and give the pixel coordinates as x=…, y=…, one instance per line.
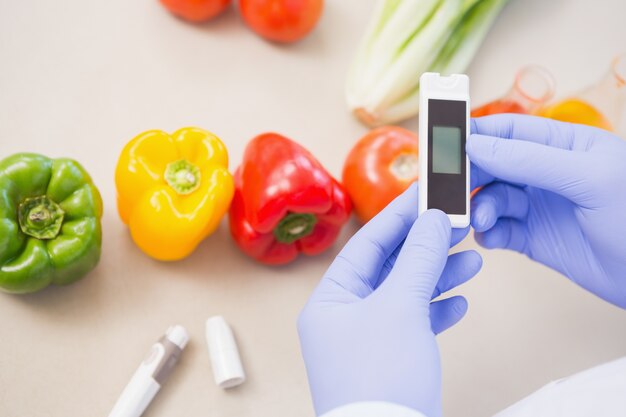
x=444, y=126
x=151, y=374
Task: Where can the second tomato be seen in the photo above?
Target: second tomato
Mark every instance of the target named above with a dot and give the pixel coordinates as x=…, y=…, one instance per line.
x=281, y=20
x=196, y=10
x=380, y=167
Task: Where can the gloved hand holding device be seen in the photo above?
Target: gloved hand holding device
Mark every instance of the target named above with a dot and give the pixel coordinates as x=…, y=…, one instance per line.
x=368, y=331
x=555, y=192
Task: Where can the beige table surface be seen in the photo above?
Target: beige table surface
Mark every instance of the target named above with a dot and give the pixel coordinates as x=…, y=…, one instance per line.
x=80, y=78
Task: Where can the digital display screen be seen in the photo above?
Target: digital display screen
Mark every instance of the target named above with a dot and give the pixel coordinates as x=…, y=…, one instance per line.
x=447, y=162
x=447, y=150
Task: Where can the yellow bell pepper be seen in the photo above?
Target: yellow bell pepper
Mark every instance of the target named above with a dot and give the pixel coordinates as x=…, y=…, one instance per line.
x=173, y=190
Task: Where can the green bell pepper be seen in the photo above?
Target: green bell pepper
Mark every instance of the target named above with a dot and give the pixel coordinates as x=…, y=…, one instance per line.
x=50, y=230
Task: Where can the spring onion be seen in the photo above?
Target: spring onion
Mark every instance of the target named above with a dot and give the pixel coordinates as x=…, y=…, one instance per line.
x=406, y=38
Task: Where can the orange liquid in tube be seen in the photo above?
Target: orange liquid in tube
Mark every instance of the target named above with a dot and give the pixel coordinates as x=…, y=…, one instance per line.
x=574, y=110
x=498, y=106
x=532, y=88
x=601, y=105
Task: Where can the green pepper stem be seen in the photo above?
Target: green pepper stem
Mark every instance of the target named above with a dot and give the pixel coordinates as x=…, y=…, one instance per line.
x=182, y=176
x=294, y=226
x=40, y=217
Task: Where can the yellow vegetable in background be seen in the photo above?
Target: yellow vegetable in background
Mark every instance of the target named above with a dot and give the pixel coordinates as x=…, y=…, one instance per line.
x=576, y=111
x=173, y=190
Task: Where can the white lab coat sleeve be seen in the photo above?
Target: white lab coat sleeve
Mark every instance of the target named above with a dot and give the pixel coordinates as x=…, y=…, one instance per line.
x=597, y=392
x=373, y=409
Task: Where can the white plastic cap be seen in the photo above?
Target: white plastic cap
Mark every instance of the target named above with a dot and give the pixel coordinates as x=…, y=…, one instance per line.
x=225, y=361
x=177, y=335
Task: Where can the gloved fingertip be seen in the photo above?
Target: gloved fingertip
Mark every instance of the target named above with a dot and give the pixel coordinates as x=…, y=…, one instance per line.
x=483, y=216
x=473, y=126
x=460, y=306
x=481, y=149
x=475, y=141
x=439, y=219
x=446, y=313
x=435, y=214
x=476, y=259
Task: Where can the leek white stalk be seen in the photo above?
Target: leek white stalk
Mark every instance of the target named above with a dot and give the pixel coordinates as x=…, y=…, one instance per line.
x=406, y=38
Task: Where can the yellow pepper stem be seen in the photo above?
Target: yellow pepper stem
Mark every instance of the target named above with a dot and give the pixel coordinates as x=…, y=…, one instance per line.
x=182, y=176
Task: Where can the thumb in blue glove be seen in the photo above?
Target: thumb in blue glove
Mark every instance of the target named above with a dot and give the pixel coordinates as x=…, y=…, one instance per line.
x=368, y=331
x=555, y=192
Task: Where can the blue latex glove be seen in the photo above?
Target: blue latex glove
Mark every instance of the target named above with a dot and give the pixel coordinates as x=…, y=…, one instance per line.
x=368, y=331
x=555, y=192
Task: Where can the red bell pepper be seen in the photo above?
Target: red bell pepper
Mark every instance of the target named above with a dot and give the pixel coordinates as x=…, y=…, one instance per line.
x=285, y=202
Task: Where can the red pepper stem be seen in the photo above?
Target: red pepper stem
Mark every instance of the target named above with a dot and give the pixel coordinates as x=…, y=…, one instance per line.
x=294, y=226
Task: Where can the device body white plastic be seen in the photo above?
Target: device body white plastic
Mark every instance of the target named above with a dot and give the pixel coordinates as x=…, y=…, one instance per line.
x=454, y=87
x=148, y=378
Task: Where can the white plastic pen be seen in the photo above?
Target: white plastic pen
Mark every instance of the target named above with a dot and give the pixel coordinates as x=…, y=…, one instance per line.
x=151, y=374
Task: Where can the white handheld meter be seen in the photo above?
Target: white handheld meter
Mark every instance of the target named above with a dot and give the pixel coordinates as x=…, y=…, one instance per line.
x=443, y=131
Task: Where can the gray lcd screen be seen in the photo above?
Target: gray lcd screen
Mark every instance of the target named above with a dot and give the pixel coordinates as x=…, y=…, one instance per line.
x=447, y=150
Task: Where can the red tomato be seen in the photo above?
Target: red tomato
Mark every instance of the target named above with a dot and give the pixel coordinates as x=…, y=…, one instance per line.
x=196, y=10
x=380, y=167
x=281, y=20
